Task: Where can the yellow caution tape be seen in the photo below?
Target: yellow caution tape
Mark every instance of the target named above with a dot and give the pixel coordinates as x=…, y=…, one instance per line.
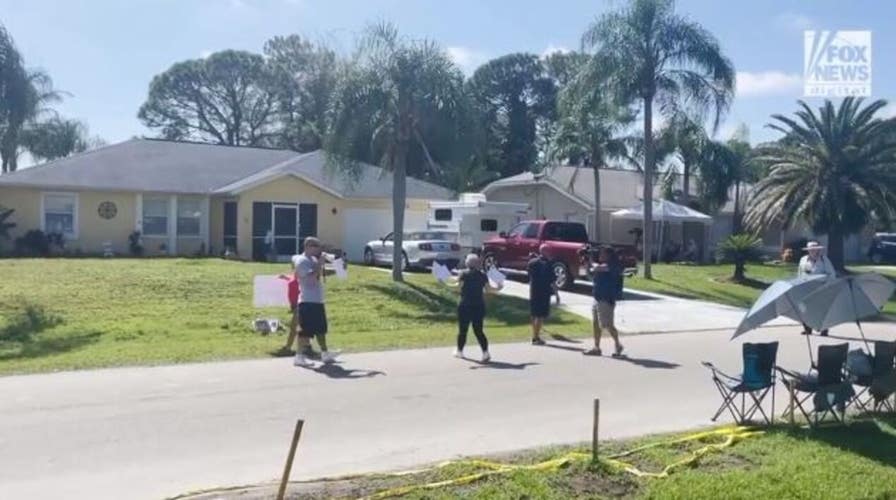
x=732, y=435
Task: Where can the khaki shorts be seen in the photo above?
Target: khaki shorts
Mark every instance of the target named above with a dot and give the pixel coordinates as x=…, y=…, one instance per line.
x=604, y=314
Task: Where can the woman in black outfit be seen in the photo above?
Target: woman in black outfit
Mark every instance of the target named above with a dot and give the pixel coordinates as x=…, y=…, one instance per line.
x=473, y=284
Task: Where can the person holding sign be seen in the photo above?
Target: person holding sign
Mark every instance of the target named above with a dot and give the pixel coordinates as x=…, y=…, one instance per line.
x=312, y=314
x=473, y=284
x=606, y=289
x=542, y=286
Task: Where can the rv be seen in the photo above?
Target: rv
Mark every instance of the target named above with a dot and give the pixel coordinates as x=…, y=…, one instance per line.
x=472, y=219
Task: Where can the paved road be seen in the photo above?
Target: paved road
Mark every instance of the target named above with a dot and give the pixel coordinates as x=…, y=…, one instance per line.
x=156, y=432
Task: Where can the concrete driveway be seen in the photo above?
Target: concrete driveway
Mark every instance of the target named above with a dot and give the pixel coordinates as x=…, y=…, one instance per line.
x=155, y=432
x=643, y=312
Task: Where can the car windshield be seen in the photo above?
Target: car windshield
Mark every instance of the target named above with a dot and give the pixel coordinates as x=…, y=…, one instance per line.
x=424, y=236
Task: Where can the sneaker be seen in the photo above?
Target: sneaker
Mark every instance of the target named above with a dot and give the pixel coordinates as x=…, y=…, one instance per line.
x=301, y=360
x=310, y=353
x=458, y=353
x=486, y=357
x=618, y=352
x=327, y=357
x=593, y=352
x=537, y=341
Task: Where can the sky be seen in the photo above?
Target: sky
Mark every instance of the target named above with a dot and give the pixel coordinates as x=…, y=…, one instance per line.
x=104, y=53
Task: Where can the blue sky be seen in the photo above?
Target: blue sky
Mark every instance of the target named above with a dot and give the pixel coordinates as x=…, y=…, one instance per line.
x=104, y=52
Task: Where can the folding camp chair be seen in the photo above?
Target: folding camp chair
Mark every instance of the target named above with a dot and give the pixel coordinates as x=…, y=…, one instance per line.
x=757, y=380
x=877, y=387
x=827, y=387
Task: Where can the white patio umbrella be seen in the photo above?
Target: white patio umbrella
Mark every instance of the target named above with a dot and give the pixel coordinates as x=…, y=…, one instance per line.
x=782, y=298
x=845, y=300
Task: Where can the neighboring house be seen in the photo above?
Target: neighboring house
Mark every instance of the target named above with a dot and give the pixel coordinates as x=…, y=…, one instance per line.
x=567, y=193
x=191, y=198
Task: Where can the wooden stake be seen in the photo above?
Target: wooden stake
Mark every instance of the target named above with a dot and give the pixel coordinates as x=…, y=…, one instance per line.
x=289, y=458
x=594, y=430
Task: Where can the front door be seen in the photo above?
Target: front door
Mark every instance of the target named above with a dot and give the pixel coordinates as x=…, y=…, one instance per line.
x=286, y=231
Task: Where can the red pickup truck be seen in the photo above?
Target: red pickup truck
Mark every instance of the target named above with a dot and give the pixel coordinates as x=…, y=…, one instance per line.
x=568, y=249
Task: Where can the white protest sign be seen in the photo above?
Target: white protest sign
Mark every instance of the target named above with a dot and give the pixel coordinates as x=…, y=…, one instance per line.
x=496, y=277
x=339, y=267
x=440, y=272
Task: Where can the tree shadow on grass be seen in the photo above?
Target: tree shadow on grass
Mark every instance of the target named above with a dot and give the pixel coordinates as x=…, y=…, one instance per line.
x=25, y=321
x=874, y=439
x=41, y=347
x=429, y=305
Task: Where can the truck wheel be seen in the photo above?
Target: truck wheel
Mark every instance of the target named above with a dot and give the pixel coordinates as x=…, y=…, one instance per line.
x=562, y=278
x=490, y=262
x=368, y=257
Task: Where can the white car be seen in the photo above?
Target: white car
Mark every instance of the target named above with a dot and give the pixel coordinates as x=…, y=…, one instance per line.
x=420, y=250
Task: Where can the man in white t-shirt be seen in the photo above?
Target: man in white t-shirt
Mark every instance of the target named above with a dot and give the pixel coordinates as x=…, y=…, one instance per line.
x=815, y=262
x=312, y=314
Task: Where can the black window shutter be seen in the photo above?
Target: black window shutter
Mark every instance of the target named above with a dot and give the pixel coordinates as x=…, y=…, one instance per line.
x=261, y=219
x=307, y=223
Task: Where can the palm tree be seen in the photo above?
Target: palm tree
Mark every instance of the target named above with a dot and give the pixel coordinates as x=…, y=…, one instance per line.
x=650, y=54
x=587, y=134
x=834, y=170
x=738, y=249
x=398, y=95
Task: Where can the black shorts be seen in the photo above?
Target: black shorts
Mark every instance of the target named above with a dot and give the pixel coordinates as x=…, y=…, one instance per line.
x=540, y=306
x=313, y=319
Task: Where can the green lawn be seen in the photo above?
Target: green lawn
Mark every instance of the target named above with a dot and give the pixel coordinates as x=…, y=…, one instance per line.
x=712, y=282
x=784, y=463
x=58, y=314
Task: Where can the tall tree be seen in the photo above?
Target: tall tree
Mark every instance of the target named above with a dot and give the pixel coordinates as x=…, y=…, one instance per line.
x=390, y=105
x=514, y=97
x=835, y=171
x=25, y=96
x=650, y=55
x=57, y=138
x=305, y=77
x=225, y=98
x=588, y=133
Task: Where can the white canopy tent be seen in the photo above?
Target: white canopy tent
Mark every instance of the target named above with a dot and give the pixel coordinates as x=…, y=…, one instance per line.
x=664, y=211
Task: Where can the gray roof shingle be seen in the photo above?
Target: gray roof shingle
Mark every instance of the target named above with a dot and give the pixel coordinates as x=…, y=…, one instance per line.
x=150, y=165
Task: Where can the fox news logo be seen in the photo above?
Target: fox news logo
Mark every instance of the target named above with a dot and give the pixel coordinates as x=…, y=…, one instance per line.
x=837, y=63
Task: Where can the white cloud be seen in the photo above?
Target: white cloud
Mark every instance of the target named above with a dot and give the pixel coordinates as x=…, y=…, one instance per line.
x=205, y=53
x=467, y=59
x=766, y=83
x=795, y=21
x=551, y=49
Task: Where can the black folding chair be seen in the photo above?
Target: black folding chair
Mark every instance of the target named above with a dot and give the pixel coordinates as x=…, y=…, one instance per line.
x=756, y=381
x=827, y=387
x=880, y=385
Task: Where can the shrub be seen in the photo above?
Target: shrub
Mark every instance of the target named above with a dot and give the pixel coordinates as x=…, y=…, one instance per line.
x=738, y=249
x=135, y=243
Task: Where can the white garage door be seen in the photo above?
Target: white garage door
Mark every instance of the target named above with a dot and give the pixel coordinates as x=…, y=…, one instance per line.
x=365, y=224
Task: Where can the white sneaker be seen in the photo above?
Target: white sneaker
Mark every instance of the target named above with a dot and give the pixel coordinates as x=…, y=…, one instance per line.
x=486, y=357
x=458, y=353
x=327, y=357
x=301, y=360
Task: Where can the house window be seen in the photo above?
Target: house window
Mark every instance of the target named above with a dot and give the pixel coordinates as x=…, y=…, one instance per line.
x=443, y=214
x=488, y=225
x=189, y=215
x=155, y=216
x=61, y=214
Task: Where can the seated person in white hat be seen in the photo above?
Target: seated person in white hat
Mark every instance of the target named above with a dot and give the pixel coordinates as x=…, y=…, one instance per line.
x=813, y=263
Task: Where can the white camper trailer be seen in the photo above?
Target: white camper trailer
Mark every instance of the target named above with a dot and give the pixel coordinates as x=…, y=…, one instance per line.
x=472, y=219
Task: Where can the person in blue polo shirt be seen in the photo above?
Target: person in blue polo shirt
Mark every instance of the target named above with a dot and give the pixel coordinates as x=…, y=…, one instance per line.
x=606, y=289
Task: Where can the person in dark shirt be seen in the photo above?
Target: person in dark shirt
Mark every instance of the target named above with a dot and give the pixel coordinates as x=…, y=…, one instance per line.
x=473, y=284
x=542, y=286
x=606, y=289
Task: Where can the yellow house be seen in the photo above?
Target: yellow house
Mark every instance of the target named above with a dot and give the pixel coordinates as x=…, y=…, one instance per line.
x=190, y=199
